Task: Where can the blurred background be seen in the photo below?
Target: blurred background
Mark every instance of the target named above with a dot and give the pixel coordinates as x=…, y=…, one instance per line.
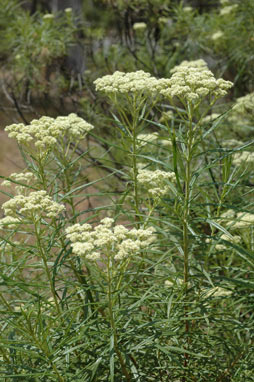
x=51, y=51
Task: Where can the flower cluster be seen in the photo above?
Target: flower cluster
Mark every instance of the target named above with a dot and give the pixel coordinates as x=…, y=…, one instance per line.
x=217, y=35
x=187, y=9
x=241, y=115
x=155, y=182
x=35, y=205
x=144, y=139
x=232, y=143
x=237, y=220
x=228, y=9
x=139, y=26
x=218, y=292
x=9, y=222
x=244, y=104
x=243, y=157
x=105, y=240
x=211, y=117
x=25, y=178
x=166, y=116
x=170, y=284
x=193, y=81
x=198, y=64
x=244, y=220
x=48, y=16
x=133, y=82
x=220, y=246
x=45, y=132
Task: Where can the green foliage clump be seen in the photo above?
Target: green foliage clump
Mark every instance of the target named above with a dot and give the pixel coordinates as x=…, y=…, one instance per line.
x=141, y=269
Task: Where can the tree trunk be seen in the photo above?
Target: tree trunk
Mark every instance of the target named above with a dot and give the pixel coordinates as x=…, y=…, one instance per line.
x=75, y=61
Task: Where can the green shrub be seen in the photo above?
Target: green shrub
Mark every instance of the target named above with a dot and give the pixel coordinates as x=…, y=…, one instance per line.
x=143, y=270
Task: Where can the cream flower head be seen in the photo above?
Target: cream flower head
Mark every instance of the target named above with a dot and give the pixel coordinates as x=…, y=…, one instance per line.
x=46, y=131
x=105, y=240
x=192, y=81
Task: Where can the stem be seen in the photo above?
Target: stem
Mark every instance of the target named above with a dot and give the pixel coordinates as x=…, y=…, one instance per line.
x=112, y=322
x=134, y=158
x=42, y=174
x=135, y=174
x=186, y=215
x=44, y=349
x=44, y=259
x=70, y=199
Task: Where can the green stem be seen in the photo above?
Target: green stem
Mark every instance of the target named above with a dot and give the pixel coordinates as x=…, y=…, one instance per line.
x=43, y=349
x=186, y=216
x=112, y=322
x=42, y=174
x=134, y=158
x=45, y=263
x=135, y=174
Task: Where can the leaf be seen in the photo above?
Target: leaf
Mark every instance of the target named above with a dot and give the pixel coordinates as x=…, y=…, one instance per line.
x=219, y=227
x=176, y=349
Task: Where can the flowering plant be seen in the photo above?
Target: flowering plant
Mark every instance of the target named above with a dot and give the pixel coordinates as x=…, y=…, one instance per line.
x=93, y=292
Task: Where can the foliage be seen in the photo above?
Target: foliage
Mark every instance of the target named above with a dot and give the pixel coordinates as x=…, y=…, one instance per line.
x=160, y=289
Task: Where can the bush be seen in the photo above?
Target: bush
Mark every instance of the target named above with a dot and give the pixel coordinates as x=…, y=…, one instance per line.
x=150, y=277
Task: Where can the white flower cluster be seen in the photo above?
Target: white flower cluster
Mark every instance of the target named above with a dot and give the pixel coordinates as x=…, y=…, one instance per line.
x=170, y=284
x=210, y=117
x=35, y=205
x=217, y=35
x=243, y=157
x=48, y=16
x=9, y=222
x=166, y=142
x=133, y=82
x=187, y=9
x=228, y=215
x=106, y=240
x=220, y=246
x=218, y=292
x=244, y=220
x=233, y=239
x=139, y=26
x=24, y=178
x=241, y=115
x=244, y=104
x=237, y=220
x=193, y=81
x=166, y=116
x=228, y=9
x=155, y=182
x=164, y=20
x=46, y=131
x=144, y=139
x=232, y=143
x=199, y=64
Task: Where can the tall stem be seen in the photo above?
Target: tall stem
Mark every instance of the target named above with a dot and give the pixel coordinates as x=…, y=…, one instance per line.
x=135, y=172
x=134, y=157
x=186, y=216
x=45, y=263
x=112, y=322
